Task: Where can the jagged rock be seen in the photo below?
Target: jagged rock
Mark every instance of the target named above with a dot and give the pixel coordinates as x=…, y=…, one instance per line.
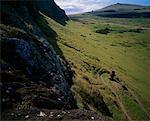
x=27, y=116
x=92, y=118
x=49, y=8
x=42, y=114
x=77, y=115
x=39, y=62
x=23, y=14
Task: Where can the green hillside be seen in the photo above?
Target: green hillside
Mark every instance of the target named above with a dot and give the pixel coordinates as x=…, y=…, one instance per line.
x=123, y=11
x=91, y=66
x=93, y=54
x=122, y=7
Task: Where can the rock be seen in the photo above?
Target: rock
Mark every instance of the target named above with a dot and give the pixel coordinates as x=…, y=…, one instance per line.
x=55, y=115
x=1, y=84
x=64, y=112
x=9, y=88
x=42, y=114
x=12, y=114
x=27, y=116
x=92, y=118
x=25, y=48
x=59, y=99
x=33, y=75
x=19, y=114
x=51, y=114
x=49, y=8
x=3, y=100
x=24, y=53
x=34, y=96
x=7, y=91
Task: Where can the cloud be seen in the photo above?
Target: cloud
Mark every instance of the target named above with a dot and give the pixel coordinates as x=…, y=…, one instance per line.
x=79, y=6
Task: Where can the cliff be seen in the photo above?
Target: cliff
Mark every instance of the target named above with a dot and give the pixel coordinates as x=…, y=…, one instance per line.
x=34, y=77
x=27, y=56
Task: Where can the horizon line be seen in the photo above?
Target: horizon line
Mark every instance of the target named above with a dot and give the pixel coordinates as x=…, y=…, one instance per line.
x=107, y=6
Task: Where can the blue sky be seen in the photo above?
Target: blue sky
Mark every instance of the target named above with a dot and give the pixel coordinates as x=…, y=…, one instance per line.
x=79, y=6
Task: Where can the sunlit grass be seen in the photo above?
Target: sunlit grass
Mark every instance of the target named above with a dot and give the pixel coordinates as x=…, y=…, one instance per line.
x=127, y=53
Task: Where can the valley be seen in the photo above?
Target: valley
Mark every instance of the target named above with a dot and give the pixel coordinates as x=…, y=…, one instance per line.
x=123, y=49
x=90, y=66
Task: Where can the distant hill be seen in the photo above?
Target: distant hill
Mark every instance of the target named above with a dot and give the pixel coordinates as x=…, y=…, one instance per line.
x=123, y=11
x=122, y=7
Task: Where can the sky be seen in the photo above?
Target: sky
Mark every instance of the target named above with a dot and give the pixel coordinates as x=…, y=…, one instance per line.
x=80, y=6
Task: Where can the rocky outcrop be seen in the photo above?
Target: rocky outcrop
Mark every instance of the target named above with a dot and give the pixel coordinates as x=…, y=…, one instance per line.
x=37, y=60
x=53, y=12
x=22, y=13
x=33, y=75
x=55, y=115
x=26, y=50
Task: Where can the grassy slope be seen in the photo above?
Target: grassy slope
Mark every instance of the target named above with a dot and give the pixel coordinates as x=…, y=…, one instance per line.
x=127, y=53
x=123, y=11
x=125, y=7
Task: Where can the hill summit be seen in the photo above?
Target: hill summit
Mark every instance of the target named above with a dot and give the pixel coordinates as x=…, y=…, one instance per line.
x=124, y=11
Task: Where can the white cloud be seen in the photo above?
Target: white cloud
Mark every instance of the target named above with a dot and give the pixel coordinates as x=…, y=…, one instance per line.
x=79, y=6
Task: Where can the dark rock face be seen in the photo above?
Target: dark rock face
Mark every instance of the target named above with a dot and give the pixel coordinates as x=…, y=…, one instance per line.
x=34, y=51
x=37, y=60
x=55, y=115
x=53, y=12
x=28, y=60
x=22, y=13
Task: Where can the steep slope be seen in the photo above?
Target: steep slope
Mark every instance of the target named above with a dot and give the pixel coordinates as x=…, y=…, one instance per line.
x=36, y=79
x=93, y=55
x=47, y=7
x=48, y=69
x=53, y=12
x=30, y=53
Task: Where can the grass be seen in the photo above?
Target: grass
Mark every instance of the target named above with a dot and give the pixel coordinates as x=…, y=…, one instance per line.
x=88, y=52
x=133, y=109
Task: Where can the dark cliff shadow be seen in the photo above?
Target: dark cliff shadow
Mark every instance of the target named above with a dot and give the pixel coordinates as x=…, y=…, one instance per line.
x=25, y=15
x=51, y=36
x=51, y=9
x=28, y=19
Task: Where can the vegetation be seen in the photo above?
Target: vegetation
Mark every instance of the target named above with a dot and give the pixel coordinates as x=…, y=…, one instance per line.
x=125, y=49
x=123, y=11
x=103, y=31
x=109, y=60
